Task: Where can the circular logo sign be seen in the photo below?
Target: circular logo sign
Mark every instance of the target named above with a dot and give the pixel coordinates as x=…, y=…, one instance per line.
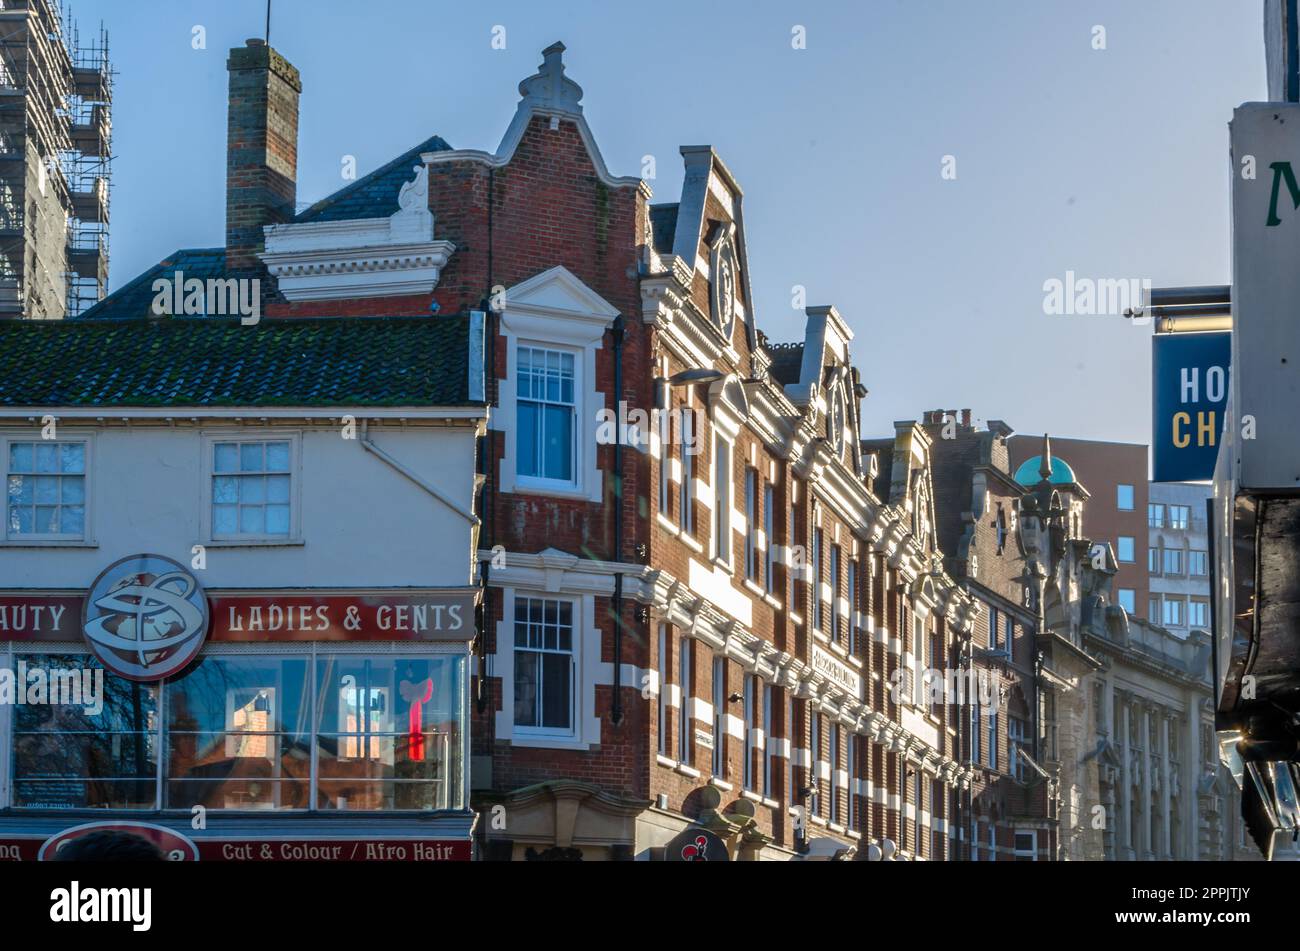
x=145, y=617
x=175, y=847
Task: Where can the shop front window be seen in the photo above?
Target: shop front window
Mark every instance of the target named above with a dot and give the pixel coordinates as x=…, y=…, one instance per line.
x=389, y=730
x=238, y=734
x=238, y=731
x=71, y=756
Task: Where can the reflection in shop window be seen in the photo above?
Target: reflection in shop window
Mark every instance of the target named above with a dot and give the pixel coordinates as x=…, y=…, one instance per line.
x=240, y=731
x=65, y=756
x=388, y=732
x=237, y=734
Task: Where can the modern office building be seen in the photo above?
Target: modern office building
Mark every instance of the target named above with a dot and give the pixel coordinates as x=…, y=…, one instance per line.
x=1178, y=559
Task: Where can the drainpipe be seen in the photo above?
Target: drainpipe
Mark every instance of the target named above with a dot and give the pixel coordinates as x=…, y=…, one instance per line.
x=616, y=708
x=489, y=443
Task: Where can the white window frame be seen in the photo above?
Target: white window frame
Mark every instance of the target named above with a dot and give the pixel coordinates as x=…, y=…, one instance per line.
x=665, y=463
x=575, y=616
x=586, y=667
x=662, y=700
x=769, y=549
x=1204, y=563
x=723, y=523
x=752, y=502
x=63, y=539
x=769, y=702
x=718, y=685
x=545, y=484
x=1174, y=555
x=685, y=732
x=556, y=311
x=749, y=688
x=1204, y=612
x=1180, y=609
x=208, y=441
x=686, y=491
x=1032, y=852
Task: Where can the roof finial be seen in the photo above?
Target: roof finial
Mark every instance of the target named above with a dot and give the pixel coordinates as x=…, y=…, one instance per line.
x=548, y=88
x=1045, y=460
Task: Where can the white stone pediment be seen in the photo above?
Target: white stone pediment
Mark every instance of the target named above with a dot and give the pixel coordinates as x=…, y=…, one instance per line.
x=556, y=305
x=559, y=291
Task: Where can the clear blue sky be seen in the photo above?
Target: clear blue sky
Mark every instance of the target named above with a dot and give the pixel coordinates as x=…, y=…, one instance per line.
x=1110, y=163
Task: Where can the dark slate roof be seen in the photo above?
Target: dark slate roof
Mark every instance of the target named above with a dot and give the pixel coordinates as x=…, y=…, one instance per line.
x=884, y=452
x=663, y=225
x=373, y=195
x=135, y=298
x=181, y=361
x=787, y=362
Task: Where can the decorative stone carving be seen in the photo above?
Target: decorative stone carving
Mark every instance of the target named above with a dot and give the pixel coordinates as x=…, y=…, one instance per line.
x=365, y=257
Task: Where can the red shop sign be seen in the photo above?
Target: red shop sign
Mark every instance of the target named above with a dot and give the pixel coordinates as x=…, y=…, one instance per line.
x=429, y=614
x=178, y=847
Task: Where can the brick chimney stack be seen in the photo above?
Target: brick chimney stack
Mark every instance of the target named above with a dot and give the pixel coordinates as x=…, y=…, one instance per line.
x=261, y=149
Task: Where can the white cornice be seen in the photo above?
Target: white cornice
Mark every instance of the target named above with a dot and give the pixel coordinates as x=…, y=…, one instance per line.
x=360, y=257
x=350, y=273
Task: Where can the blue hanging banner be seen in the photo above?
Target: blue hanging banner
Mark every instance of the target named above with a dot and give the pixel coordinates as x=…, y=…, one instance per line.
x=1189, y=380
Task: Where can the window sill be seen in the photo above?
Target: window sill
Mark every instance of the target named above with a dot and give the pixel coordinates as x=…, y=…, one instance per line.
x=665, y=761
x=687, y=771
x=50, y=543
x=855, y=661
x=796, y=617
x=689, y=541
x=824, y=638
x=751, y=796
x=770, y=803
x=836, y=648
x=254, y=543
x=524, y=487
x=548, y=742
x=721, y=784
x=752, y=588
x=667, y=524
x=818, y=821
x=722, y=563
x=772, y=602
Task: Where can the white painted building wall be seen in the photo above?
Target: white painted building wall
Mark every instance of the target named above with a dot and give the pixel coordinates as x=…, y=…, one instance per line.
x=360, y=522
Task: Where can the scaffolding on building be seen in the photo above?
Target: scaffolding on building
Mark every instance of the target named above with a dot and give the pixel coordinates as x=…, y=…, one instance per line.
x=55, y=162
